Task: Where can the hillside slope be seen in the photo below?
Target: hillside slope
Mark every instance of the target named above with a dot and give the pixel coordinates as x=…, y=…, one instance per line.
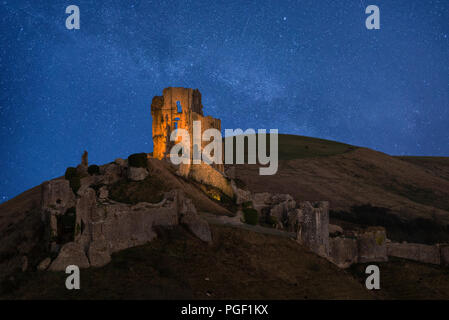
x=236, y=264
x=314, y=169
x=239, y=264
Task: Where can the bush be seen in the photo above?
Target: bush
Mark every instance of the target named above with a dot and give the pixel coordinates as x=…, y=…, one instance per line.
x=93, y=169
x=248, y=204
x=70, y=172
x=75, y=183
x=250, y=216
x=272, y=221
x=138, y=160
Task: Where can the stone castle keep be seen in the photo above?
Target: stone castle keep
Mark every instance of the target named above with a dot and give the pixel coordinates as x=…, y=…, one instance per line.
x=178, y=108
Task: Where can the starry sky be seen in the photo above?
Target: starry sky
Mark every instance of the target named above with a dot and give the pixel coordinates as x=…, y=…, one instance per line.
x=305, y=67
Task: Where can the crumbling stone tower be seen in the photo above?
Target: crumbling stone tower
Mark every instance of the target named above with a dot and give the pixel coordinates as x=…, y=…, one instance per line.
x=177, y=108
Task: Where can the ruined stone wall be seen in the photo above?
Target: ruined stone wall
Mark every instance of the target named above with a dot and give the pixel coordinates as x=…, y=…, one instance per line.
x=444, y=254
x=313, y=230
x=415, y=251
x=372, y=245
x=363, y=246
x=205, y=174
x=178, y=108
x=343, y=252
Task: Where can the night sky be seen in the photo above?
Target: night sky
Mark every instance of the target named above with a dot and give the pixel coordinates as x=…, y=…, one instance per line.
x=303, y=67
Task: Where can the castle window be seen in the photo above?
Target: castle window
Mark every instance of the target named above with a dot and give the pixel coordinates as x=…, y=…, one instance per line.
x=176, y=123
x=178, y=105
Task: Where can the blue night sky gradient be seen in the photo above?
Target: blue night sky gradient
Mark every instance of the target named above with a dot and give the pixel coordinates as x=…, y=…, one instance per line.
x=304, y=67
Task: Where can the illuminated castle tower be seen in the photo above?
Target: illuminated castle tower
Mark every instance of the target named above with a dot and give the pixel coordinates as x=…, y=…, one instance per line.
x=177, y=108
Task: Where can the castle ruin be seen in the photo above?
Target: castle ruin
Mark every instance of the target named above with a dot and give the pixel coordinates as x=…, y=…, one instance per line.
x=178, y=108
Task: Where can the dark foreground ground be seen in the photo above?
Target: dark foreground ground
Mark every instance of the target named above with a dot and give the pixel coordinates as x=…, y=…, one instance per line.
x=239, y=264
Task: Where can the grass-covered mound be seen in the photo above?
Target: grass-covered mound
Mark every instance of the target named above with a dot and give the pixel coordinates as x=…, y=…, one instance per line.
x=298, y=147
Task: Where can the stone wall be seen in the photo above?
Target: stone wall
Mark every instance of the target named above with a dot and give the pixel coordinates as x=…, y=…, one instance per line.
x=372, y=245
x=444, y=254
x=110, y=226
x=343, y=252
x=178, y=108
x=313, y=226
x=104, y=226
x=415, y=251
x=368, y=245
x=205, y=174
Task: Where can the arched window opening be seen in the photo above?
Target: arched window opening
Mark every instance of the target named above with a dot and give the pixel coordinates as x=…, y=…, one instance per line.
x=176, y=122
x=179, y=107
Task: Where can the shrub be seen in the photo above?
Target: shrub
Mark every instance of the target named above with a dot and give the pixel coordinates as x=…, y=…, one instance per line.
x=70, y=172
x=248, y=204
x=272, y=221
x=93, y=169
x=250, y=216
x=138, y=160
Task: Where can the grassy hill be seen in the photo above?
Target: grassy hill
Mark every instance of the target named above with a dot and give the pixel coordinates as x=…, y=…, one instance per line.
x=351, y=177
x=407, y=195
x=300, y=147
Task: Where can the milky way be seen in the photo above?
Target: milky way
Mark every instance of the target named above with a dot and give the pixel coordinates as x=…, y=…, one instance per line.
x=303, y=67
